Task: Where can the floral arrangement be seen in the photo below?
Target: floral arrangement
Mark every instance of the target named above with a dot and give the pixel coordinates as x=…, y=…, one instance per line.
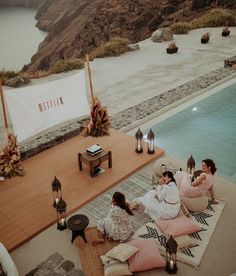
x=206, y=35
x=225, y=30
x=99, y=123
x=172, y=45
x=10, y=162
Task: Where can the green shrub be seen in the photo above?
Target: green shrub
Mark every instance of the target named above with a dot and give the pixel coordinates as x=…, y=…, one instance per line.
x=215, y=18
x=180, y=28
x=116, y=46
x=65, y=65
x=7, y=75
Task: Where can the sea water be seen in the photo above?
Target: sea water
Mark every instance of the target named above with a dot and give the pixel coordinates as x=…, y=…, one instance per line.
x=19, y=37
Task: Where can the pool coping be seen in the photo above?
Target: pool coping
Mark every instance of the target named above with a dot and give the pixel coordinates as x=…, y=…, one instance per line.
x=132, y=117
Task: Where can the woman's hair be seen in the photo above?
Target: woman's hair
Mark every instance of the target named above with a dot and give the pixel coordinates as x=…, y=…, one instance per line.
x=121, y=202
x=210, y=163
x=170, y=175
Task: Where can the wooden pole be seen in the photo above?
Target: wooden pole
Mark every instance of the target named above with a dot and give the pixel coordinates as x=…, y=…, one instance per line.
x=90, y=79
x=3, y=106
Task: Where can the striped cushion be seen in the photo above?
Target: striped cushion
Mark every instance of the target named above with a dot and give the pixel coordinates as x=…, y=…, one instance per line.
x=166, y=168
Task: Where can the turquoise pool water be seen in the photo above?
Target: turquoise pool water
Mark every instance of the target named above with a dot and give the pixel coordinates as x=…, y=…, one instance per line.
x=207, y=129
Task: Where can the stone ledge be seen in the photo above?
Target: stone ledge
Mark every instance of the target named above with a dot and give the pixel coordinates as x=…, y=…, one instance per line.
x=229, y=62
x=69, y=129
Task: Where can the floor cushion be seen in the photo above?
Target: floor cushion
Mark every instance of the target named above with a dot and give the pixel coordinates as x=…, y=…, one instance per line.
x=195, y=204
x=147, y=257
x=178, y=226
x=122, y=252
x=113, y=267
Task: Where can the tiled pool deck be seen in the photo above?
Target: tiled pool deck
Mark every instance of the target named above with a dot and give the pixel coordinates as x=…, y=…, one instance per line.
x=131, y=116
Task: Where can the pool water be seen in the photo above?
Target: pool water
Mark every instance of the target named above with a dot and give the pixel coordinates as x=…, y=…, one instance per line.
x=206, y=129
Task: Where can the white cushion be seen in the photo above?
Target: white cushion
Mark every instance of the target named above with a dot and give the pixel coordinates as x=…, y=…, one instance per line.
x=122, y=252
x=7, y=262
x=157, y=168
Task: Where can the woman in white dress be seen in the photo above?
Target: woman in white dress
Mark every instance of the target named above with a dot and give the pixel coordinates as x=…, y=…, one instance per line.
x=163, y=203
x=117, y=224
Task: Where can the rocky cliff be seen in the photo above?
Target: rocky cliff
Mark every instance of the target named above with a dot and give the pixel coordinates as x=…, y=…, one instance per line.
x=76, y=27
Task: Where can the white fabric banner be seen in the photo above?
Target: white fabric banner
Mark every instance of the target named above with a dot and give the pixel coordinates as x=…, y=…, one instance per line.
x=35, y=108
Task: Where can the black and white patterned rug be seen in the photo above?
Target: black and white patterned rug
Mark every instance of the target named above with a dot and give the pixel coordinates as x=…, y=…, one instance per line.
x=137, y=186
x=207, y=221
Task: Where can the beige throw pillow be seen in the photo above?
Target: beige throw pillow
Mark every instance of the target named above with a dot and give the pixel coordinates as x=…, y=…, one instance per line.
x=122, y=252
x=195, y=204
x=114, y=267
x=185, y=242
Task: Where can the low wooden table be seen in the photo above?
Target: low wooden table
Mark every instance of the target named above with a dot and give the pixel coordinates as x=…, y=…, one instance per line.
x=94, y=160
x=77, y=225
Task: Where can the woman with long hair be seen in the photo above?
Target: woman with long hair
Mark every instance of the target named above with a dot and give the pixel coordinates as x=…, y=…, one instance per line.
x=201, y=185
x=117, y=224
x=163, y=203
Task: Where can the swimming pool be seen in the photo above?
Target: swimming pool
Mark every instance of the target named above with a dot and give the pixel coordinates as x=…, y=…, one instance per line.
x=206, y=129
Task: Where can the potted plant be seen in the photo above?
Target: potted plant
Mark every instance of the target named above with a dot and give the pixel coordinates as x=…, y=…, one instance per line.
x=205, y=37
x=172, y=48
x=225, y=31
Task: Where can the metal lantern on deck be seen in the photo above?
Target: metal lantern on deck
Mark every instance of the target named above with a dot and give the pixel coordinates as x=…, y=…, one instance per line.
x=139, y=141
x=171, y=261
x=56, y=190
x=61, y=215
x=150, y=141
x=191, y=166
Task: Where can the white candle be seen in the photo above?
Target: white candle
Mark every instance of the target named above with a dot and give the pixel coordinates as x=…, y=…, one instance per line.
x=62, y=221
x=171, y=264
x=139, y=147
x=151, y=146
x=57, y=200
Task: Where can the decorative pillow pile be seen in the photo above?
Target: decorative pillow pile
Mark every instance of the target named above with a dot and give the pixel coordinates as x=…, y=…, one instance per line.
x=178, y=226
x=122, y=252
x=166, y=168
x=147, y=257
x=114, y=267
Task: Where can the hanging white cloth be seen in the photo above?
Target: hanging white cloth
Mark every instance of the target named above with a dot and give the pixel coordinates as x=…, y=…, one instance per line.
x=36, y=108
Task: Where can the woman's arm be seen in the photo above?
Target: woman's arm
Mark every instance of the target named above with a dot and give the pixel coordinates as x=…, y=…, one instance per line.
x=212, y=193
x=162, y=192
x=198, y=180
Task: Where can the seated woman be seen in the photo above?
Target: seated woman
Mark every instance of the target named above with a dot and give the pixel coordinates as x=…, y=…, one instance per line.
x=117, y=224
x=163, y=203
x=201, y=185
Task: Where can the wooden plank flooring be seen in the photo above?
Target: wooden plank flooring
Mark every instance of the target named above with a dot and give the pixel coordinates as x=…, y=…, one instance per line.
x=26, y=202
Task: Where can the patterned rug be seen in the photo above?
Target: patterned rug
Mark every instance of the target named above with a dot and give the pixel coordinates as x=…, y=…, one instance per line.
x=137, y=186
x=133, y=187
x=207, y=220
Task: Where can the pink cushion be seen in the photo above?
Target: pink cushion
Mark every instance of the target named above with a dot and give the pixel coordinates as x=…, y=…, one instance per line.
x=147, y=257
x=178, y=226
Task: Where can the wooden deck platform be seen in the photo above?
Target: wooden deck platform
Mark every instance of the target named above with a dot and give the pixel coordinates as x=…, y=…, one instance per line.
x=26, y=202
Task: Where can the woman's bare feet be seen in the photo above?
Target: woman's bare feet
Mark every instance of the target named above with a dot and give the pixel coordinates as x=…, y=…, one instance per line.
x=135, y=206
x=98, y=241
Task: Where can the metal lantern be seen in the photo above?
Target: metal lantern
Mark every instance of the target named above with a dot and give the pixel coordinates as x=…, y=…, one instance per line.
x=171, y=261
x=191, y=166
x=56, y=190
x=150, y=141
x=61, y=215
x=139, y=141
